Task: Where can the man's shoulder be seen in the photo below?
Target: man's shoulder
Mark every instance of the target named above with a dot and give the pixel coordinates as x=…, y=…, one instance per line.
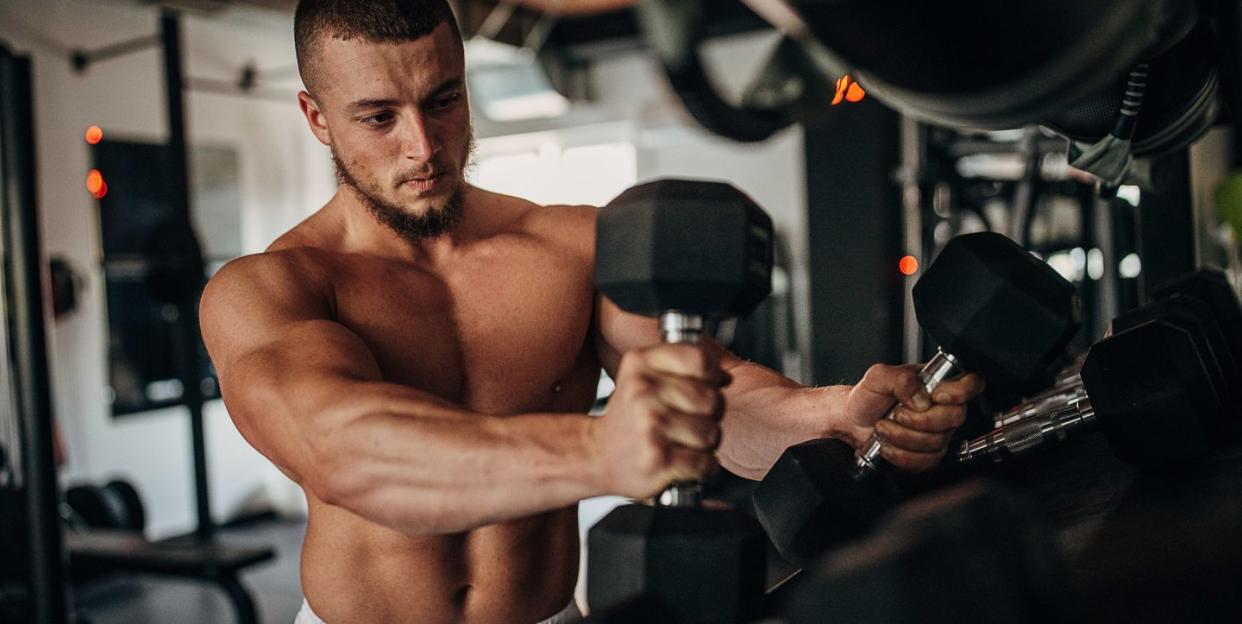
x=289, y=272
x=566, y=226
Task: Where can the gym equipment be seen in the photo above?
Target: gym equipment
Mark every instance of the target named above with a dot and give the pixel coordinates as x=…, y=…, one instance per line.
x=65, y=284
x=1197, y=317
x=33, y=572
x=1062, y=63
x=970, y=553
x=104, y=550
x=1152, y=414
x=994, y=309
x=1212, y=288
x=685, y=251
x=809, y=500
x=135, y=516
x=116, y=505
x=1205, y=297
x=972, y=299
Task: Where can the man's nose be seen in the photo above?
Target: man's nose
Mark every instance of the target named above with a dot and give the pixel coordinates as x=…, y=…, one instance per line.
x=416, y=142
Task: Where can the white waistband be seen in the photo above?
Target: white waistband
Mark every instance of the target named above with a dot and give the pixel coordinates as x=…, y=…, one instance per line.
x=568, y=615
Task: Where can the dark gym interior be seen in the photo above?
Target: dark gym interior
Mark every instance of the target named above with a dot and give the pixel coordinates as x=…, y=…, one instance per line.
x=1044, y=195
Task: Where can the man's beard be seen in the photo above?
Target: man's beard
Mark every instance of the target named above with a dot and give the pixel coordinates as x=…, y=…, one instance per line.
x=437, y=219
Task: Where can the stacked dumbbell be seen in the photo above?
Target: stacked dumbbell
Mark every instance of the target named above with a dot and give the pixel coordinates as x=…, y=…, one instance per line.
x=1160, y=388
x=685, y=252
x=1204, y=287
x=995, y=310
x=115, y=505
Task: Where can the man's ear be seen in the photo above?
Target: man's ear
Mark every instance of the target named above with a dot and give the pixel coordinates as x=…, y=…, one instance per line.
x=314, y=117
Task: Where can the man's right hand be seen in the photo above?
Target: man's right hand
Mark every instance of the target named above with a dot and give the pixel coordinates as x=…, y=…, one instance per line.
x=662, y=423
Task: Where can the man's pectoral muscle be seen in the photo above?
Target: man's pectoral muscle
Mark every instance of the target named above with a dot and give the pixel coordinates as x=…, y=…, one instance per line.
x=308, y=394
x=417, y=505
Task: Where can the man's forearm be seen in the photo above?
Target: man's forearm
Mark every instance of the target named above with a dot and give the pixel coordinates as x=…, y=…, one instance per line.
x=421, y=465
x=767, y=413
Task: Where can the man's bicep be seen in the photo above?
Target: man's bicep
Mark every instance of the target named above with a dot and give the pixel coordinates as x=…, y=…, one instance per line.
x=617, y=331
x=279, y=357
x=286, y=395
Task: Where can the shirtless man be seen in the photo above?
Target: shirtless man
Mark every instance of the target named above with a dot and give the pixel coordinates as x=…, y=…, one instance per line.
x=419, y=356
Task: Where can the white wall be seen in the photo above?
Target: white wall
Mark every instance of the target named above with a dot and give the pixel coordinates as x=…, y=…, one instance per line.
x=284, y=175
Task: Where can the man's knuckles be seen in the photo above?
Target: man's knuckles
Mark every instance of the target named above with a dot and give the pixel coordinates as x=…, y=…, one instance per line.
x=913, y=461
x=877, y=376
x=693, y=465
x=959, y=391
x=684, y=360
x=911, y=439
x=693, y=432
x=937, y=419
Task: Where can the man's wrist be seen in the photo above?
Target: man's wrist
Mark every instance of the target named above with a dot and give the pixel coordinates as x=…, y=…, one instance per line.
x=832, y=418
x=585, y=453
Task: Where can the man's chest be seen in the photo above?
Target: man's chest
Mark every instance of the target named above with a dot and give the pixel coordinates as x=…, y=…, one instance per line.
x=498, y=336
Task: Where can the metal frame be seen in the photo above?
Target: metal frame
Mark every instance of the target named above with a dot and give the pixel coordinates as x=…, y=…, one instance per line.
x=27, y=326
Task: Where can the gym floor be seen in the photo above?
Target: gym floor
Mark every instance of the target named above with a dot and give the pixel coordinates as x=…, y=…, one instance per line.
x=127, y=598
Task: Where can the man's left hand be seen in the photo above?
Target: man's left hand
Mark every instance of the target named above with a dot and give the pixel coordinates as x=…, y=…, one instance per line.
x=918, y=435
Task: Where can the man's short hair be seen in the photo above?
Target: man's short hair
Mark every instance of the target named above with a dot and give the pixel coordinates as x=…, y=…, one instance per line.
x=370, y=20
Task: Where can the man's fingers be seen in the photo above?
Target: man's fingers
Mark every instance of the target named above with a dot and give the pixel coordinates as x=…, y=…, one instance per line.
x=685, y=360
x=691, y=431
x=908, y=439
x=910, y=460
x=939, y=419
x=689, y=396
x=959, y=390
x=689, y=465
x=901, y=382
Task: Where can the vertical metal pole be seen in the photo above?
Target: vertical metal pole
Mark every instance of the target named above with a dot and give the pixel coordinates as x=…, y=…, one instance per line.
x=1088, y=289
x=1105, y=240
x=1166, y=225
x=1026, y=194
x=28, y=326
x=913, y=155
x=187, y=317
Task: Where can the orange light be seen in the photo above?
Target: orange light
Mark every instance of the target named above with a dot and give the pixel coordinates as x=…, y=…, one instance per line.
x=95, y=184
x=94, y=135
x=909, y=265
x=848, y=90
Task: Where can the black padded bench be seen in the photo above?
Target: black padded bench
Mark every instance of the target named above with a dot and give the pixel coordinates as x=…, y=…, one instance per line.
x=123, y=551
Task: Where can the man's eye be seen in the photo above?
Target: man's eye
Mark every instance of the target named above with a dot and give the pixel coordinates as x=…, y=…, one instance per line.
x=377, y=120
x=445, y=102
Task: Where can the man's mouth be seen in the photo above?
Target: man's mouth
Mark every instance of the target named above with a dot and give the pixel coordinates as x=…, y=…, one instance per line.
x=423, y=183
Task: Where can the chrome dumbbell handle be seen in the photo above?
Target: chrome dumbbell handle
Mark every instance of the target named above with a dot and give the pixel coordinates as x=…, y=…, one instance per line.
x=1030, y=433
x=677, y=327
x=1066, y=387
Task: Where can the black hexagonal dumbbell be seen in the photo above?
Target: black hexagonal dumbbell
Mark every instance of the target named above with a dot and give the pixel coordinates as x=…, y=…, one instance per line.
x=971, y=553
x=1190, y=356
x=994, y=309
x=1006, y=313
x=1196, y=296
x=684, y=251
x=1153, y=390
x=1212, y=288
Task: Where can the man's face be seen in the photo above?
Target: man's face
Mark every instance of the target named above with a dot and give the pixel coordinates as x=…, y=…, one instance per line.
x=397, y=120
